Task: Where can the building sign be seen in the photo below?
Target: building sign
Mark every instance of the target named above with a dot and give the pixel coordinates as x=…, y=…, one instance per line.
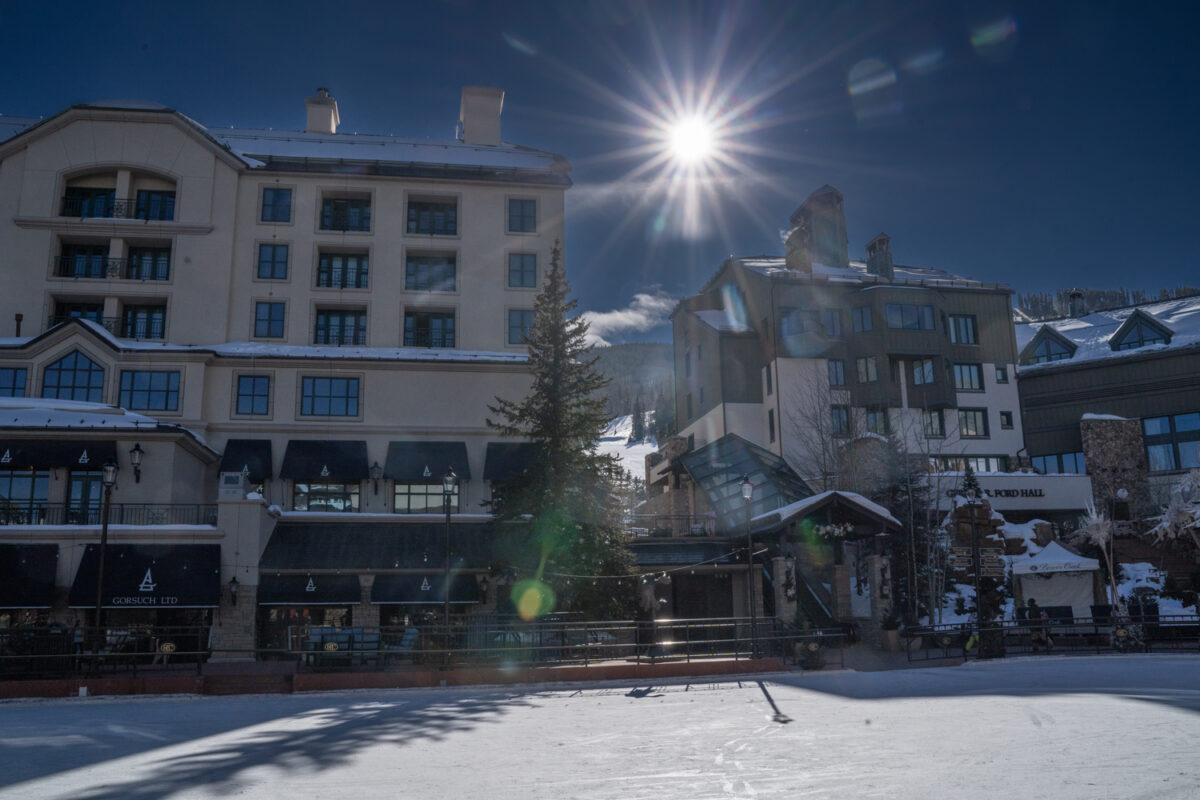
x=1003, y=492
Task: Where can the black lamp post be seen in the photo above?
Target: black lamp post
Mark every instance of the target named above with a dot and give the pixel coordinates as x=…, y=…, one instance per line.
x=747, y=493
x=449, y=481
x=109, y=478
x=376, y=472
x=135, y=461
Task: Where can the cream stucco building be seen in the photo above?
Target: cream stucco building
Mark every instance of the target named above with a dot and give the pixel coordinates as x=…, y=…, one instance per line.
x=321, y=317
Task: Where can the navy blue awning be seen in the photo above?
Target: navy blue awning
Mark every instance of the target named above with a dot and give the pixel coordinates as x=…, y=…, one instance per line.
x=150, y=576
x=508, y=460
x=426, y=462
x=55, y=453
x=309, y=590
x=27, y=575
x=428, y=589
x=248, y=455
x=319, y=460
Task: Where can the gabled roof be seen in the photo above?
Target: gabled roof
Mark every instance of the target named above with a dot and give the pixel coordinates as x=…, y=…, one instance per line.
x=1145, y=318
x=718, y=469
x=1046, y=332
x=1092, y=335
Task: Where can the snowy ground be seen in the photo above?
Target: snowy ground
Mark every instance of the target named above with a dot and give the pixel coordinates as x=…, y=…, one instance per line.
x=615, y=441
x=1062, y=727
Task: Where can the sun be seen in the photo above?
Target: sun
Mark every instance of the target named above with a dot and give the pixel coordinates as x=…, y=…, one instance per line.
x=691, y=140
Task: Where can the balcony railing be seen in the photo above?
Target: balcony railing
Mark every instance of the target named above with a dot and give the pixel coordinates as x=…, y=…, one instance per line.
x=105, y=268
x=120, y=514
x=118, y=208
x=672, y=525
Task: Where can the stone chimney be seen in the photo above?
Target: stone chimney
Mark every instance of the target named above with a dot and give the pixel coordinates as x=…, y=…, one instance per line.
x=879, y=257
x=1075, y=303
x=479, y=115
x=322, y=113
x=818, y=234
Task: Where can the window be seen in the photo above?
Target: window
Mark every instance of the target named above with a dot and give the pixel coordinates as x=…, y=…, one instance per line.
x=90, y=311
x=922, y=372
x=862, y=319
x=142, y=390
x=74, y=377
x=962, y=330
x=148, y=264
x=837, y=372
x=432, y=273
x=433, y=217
x=972, y=423
x=346, y=214
x=342, y=271
x=687, y=363
x=877, y=421
x=689, y=406
x=1139, y=334
x=1006, y=420
x=273, y=262
x=968, y=377
x=276, y=205
x=268, y=319
x=791, y=322
x=831, y=318
x=25, y=493
x=522, y=270
x=520, y=320
x=422, y=498
x=329, y=397
x=85, y=202
x=522, y=216
x=840, y=417
x=144, y=322
x=12, y=381
x=1172, y=442
x=1049, y=349
x=253, y=394
x=976, y=463
x=1001, y=373
x=909, y=317
x=934, y=422
x=83, y=261
x=337, y=497
x=340, y=326
x=155, y=205
x=428, y=329
x=867, y=371
x=1057, y=463
x=771, y=424
x=770, y=387
x=84, y=490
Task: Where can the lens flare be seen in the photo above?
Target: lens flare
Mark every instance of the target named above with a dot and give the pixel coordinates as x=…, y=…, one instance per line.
x=691, y=139
x=532, y=599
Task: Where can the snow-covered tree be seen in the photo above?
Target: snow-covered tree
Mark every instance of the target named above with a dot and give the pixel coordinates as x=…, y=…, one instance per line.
x=1098, y=531
x=1179, y=524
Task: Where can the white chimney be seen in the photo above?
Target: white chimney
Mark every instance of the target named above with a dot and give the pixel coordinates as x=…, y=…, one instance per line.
x=479, y=114
x=322, y=113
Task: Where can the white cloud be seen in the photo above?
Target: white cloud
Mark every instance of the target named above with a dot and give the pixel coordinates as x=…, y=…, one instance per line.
x=644, y=312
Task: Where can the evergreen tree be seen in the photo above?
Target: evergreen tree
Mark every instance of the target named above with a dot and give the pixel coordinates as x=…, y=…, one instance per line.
x=970, y=484
x=565, y=506
x=638, y=430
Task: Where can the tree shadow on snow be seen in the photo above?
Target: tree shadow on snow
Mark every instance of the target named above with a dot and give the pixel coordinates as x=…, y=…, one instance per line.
x=306, y=734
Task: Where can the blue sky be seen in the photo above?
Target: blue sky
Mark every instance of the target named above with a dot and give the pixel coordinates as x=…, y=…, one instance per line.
x=1042, y=145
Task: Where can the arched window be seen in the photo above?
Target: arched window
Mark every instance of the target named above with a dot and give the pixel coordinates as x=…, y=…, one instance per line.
x=74, y=377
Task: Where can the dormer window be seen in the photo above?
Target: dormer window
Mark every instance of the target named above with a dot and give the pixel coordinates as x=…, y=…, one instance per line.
x=1047, y=345
x=1050, y=350
x=1139, y=331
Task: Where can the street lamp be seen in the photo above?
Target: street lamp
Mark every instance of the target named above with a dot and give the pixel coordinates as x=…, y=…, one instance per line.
x=747, y=493
x=135, y=461
x=376, y=472
x=108, y=479
x=449, y=481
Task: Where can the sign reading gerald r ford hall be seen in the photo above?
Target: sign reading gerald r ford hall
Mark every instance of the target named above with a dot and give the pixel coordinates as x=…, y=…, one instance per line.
x=1003, y=492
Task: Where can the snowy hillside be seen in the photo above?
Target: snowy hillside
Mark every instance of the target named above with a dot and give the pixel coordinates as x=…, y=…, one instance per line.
x=615, y=441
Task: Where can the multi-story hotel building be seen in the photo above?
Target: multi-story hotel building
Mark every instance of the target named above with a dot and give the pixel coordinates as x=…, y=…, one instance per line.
x=318, y=316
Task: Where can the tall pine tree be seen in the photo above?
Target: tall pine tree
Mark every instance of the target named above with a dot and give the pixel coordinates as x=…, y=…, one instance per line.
x=637, y=430
x=561, y=518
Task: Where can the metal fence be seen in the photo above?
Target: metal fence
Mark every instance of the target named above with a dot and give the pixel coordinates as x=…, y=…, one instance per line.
x=1128, y=634
x=56, y=651
x=119, y=514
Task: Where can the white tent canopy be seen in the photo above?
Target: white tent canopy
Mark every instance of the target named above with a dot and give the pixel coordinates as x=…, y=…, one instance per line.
x=1055, y=558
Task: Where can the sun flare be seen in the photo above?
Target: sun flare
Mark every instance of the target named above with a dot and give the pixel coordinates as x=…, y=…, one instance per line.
x=691, y=140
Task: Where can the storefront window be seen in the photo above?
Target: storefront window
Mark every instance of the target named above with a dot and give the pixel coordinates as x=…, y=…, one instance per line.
x=23, y=497
x=325, y=497
x=422, y=498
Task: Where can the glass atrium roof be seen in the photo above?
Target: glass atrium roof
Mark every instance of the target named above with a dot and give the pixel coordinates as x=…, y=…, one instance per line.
x=718, y=467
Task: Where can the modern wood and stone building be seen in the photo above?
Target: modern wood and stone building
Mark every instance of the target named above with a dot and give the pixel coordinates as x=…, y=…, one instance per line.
x=320, y=318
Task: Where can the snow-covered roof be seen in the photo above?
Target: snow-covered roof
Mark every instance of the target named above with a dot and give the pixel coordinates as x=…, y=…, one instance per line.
x=271, y=350
x=776, y=267
x=1092, y=333
x=37, y=413
x=808, y=504
x=1054, y=558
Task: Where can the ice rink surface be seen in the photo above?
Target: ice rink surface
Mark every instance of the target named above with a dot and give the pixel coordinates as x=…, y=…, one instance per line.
x=1056, y=727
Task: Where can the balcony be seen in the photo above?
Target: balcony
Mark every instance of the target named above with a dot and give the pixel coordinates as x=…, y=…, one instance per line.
x=158, y=208
x=93, y=267
x=672, y=525
x=121, y=514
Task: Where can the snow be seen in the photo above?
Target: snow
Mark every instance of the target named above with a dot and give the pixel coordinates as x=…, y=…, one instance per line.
x=36, y=413
x=1068, y=728
x=1142, y=577
x=1091, y=333
x=1054, y=558
x=857, y=272
x=1102, y=416
x=800, y=507
x=632, y=455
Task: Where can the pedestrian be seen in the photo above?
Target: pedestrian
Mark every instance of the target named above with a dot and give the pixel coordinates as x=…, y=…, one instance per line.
x=1039, y=626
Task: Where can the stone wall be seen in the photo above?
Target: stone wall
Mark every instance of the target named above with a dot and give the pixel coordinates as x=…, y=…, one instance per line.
x=1116, y=460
